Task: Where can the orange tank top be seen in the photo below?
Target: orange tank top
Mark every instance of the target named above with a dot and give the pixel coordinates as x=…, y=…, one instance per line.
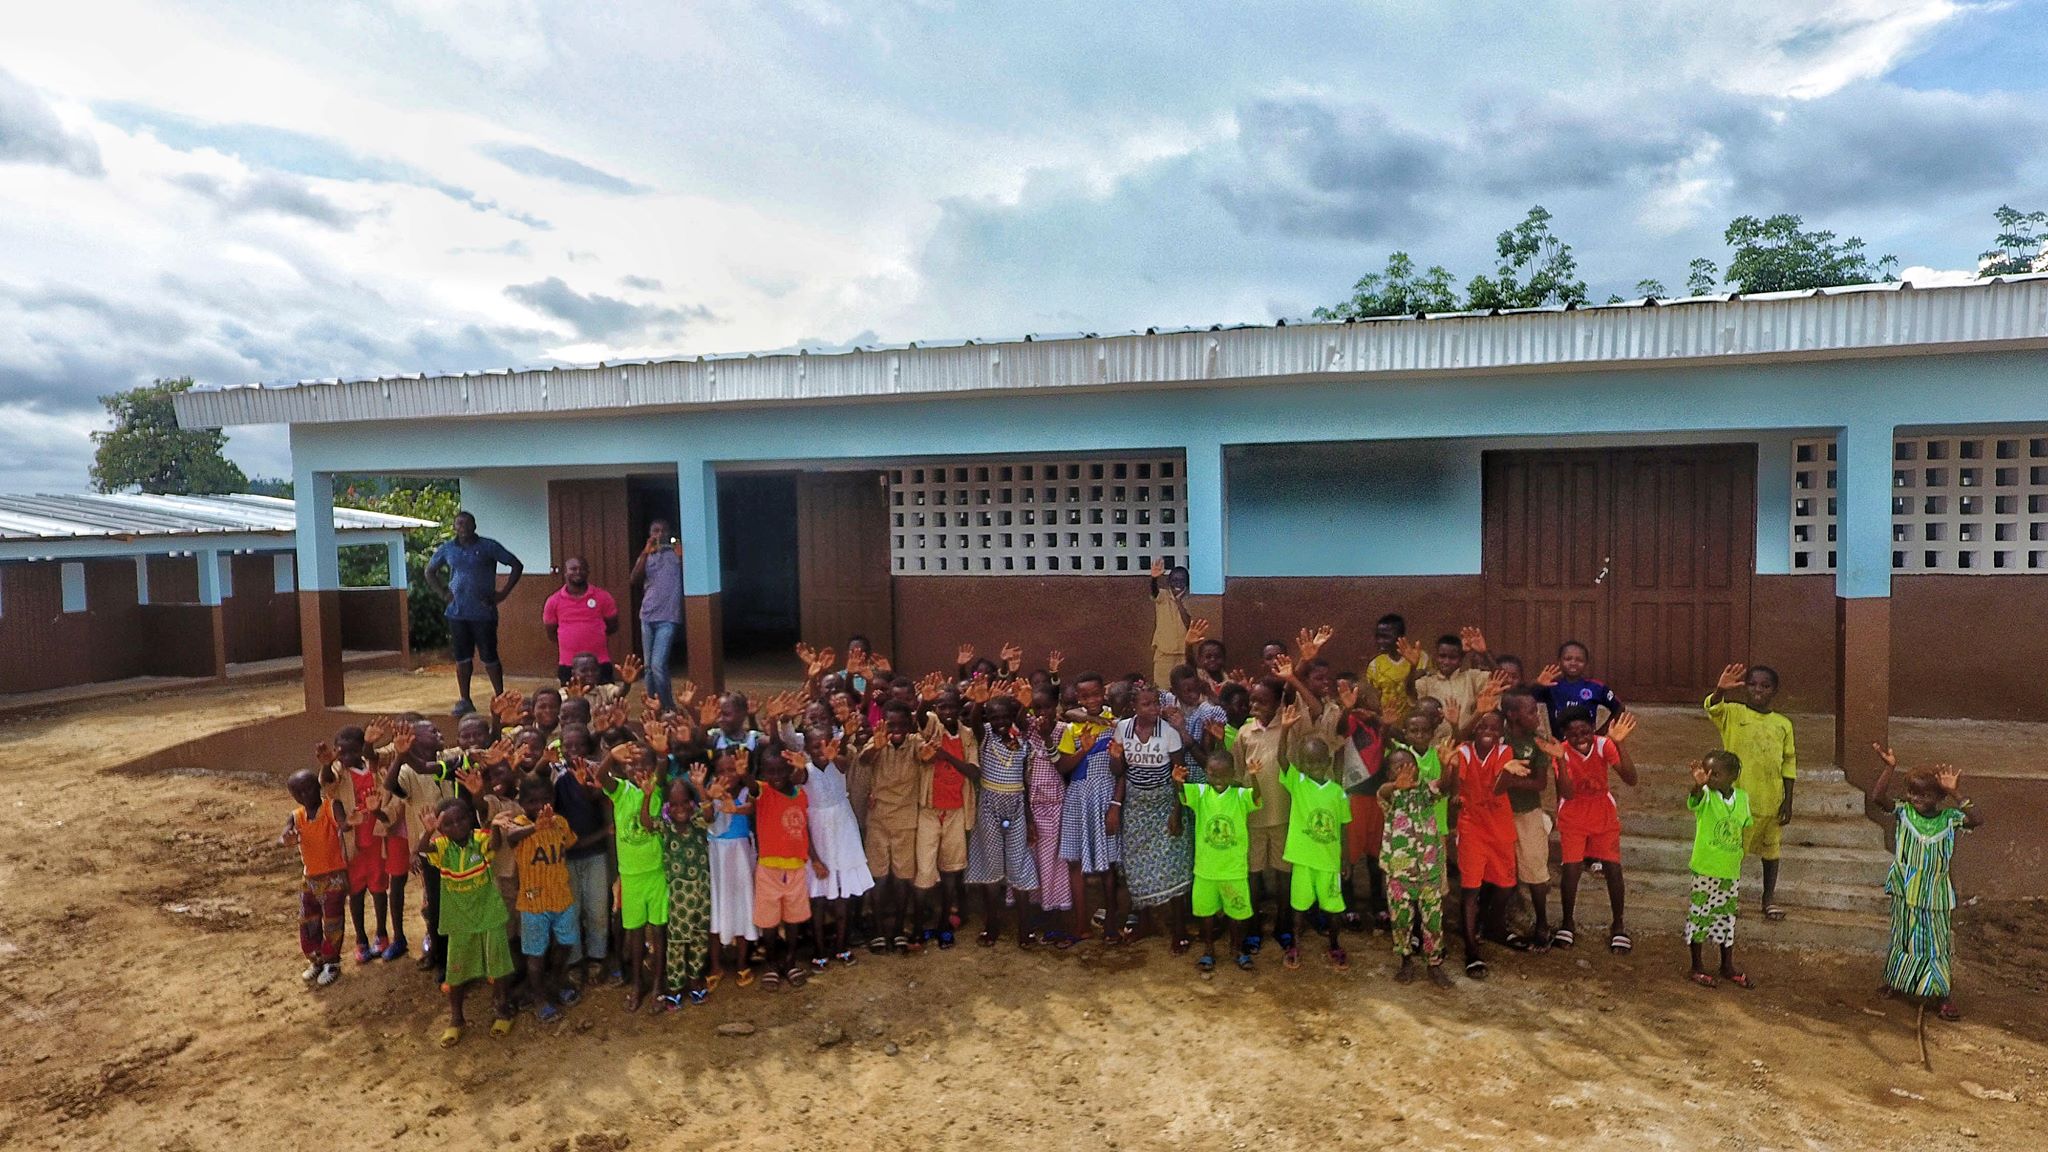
x=320, y=841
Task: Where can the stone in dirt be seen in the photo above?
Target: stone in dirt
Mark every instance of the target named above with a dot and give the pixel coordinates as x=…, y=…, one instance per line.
x=831, y=1034
x=736, y=1028
x=1983, y=1093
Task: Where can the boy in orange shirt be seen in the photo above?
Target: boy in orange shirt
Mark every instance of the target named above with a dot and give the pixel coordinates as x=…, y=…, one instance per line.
x=785, y=862
x=316, y=827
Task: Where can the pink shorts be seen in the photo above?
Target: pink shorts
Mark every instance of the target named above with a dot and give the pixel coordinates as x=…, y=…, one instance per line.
x=781, y=896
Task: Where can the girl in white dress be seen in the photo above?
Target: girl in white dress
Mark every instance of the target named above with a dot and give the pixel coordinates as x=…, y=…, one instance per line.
x=732, y=871
x=835, y=836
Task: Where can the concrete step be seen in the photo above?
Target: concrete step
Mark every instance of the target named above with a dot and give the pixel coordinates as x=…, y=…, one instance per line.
x=1831, y=830
x=1804, y=928
x=1796, y=887
x=1668, y=790
x=1674, y=854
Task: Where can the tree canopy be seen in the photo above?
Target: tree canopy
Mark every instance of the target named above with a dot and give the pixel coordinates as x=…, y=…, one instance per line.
x=146, y=449
x=1397, y=291
x=2020, y=247
x=1535, y=269
x=1777, y=255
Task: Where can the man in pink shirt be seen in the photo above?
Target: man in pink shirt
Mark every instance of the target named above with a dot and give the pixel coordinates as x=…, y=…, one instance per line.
x=579, y=618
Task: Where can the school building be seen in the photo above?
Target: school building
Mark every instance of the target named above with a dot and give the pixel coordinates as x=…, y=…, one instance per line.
x=101, y=589
x=1849, y=484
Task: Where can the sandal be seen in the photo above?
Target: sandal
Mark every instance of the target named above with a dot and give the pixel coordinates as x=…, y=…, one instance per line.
x=1383, y=922
x=797, y=977
x=771, y=980
x=711, y=981
x=1206, y=963
x=670, y=1001
x=1773, y=912
x=502, y=1026
x=1253, y=943
x=1703, y=979
x=878, y=946
x=1061, y=940
x=820, y=962
x=451, y=1036
x=987, y=939
x=1339, y=960
x=1181, y=944
x=846, y=959
x=912, y=945
x=1563, y=938
x=1028, y=941
x=1949, y=1012
x=945, y=939
x=1620, y=944
x=1291, y=958
x=1515, y=942
x=1475, y=969
x=698, y=996
x=1284, y=939
x=1244, y=961
x=548, y=1013
x=745, y=977
x=1354, y=922
x=1742, y=980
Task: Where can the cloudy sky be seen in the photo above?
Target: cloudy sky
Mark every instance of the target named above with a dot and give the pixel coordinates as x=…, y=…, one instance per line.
x=251, y=191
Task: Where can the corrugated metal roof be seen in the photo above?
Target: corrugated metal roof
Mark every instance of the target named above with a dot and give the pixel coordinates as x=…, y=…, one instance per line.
x=1854, y=320
x=119, y=515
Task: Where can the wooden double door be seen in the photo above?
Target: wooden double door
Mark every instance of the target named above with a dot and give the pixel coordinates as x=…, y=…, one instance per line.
x=1644, y=554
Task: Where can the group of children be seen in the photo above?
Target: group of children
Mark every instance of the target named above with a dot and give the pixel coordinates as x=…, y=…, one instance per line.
x=662, y=852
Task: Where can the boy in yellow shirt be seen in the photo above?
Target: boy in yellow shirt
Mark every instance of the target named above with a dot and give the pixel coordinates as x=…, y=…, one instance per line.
x=1762, y=740
x=1169, y=622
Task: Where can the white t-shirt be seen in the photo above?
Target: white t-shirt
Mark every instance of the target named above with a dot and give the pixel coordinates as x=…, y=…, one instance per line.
x=1148, y=763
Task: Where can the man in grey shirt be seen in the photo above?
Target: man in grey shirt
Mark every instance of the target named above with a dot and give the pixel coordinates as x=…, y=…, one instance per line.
x=471, y=563
x=660, y=567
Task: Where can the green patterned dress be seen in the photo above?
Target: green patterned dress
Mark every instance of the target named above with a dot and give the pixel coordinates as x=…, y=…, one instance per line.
x=1922, y=898
x=686, y=854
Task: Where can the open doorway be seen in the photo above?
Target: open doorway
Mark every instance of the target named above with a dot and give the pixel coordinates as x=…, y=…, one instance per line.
x=651, y=497
x=757, y=546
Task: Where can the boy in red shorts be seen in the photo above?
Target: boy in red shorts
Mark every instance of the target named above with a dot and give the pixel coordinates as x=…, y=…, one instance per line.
x=1479, y=778
x=347, y=776
x=785, y=861
x=1588, y=823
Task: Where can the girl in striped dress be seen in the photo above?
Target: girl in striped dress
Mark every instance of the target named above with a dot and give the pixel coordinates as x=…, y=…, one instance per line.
x=1089, y=812
x=1158, y=848
x=999, y=851
x=1924, y=833
x=1045, y=789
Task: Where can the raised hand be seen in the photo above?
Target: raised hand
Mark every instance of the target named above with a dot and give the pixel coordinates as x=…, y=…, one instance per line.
x=1551, y=674
x=882, y=666
x=1215, y=730
x=680, y=731
x=1731, y=678
x=1452, y=715
x=1552, y=748
x=1180, y=773
x=325, y=755
x=741, y=757
x=1236, y=676
x=378, y=732
x=657, y=739
x=499, y=754
x=471, y=779
x=1305, y=644
x=1347, y=695
x=966, y=655
x=630, y=668
x=1517, y=768
x=806, y=655
x=1116, y=749
x=1020, y=688
x=1158, y=568
x=402, y=742
x=979, y=689
x=1053, y=660
x=1013, y=656
x=1622, y=726
x=828, y=750
x=686, y=693
x=926, y=753
x=929, y=687
x=707, y=711
x=625, y=754
x=826, y=660
x=1289, y=716
x=1283, y=667
x=650, y=709
x=697, y=774
x=1699, y=773
x=1411, y=651
x=1198, y=631
x=1406, y=777
x=1255, y=766
x=575, y=688
x=1473, y=639
x=1949, y=776
x=1497, y=686
x=509, y=707
x=1883, y=751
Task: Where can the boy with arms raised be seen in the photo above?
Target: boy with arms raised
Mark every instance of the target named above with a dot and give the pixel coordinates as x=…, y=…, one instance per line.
x=1740, y=707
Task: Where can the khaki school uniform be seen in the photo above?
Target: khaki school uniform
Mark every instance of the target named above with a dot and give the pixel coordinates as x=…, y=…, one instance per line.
x=1267, y=824
x=1169, y=638
x=892, y=807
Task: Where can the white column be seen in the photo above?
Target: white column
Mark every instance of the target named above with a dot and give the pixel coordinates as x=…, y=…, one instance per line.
x=208, y=561
x=697, y=495
x=1863, y=511
x=142, y=579
x=319, y=566
x=394, y=558
x=1205, y=545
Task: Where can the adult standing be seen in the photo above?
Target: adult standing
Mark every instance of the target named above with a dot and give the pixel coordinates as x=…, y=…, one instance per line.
x=661, y=605
x=580, y=617
x=471, y=587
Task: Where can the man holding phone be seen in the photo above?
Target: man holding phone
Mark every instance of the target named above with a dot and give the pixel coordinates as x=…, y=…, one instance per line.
x=660, y=566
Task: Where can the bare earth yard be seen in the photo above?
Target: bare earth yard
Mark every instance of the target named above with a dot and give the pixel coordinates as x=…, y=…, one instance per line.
x=149, y=976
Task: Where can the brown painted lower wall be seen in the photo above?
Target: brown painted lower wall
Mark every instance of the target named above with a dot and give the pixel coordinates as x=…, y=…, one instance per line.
x=1101, y=624
x=373, y=619
x=523, y=645
x=262, y=623
x=42, y=646
x=1792, y=629
x=175, y=640
x=1259, y=609
x=1969, y=646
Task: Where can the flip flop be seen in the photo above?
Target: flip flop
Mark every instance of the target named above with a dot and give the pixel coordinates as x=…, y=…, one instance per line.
x=1181, y=944
x=1773, y=912
x=1253, y=943
x=744, y=978
x=548, y=1013
x=987, y=939
x=1620, y=944
x=1291, y=958
x=1742, y=980
x=1206, y=963
x=451, y=1036
x=1703, y=979
x=1339, y=960
x=846, y=959
x=1475, y=969
x=711, y=981
x=1244, y=961
x=878, y=946
x=1949, y=1012
x=1515, y=942
x=945, y=939
x=819, y=963
x=1061, y=940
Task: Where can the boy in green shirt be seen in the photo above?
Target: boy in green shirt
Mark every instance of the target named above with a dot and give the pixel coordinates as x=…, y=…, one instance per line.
x=1720, y=818
x=1222, y=840
x=1319, y=809
x=643, y=886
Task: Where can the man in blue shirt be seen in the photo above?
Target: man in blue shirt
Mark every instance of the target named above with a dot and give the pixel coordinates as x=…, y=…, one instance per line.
x=471, y=562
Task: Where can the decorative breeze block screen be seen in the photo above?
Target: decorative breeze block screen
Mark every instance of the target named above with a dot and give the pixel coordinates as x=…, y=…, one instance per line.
x=1052, y=517
x=1972, y=502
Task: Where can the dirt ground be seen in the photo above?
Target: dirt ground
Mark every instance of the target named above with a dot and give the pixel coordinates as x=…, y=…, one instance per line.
x=149, y=973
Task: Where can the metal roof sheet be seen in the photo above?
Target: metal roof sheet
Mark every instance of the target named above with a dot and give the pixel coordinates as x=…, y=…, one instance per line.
x=93, y=516
x=1862, y=319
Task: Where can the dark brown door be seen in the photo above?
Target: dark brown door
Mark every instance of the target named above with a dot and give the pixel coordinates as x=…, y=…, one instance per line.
x=1644, y=554
x=1684, y=550
x=588, y=518
x=1546, y=547
x=844, y=586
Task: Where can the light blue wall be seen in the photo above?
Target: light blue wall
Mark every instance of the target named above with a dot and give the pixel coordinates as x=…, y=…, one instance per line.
x=1869, y=395
x=1414, y=507
x=511, y=507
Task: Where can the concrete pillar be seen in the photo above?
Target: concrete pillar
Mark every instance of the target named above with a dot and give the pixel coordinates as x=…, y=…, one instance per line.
x=703, y=612
x=212, y=591
x=319, y=569
x=142, y=579
x=1206, y=542
x=394, y=559
x=1863, y=585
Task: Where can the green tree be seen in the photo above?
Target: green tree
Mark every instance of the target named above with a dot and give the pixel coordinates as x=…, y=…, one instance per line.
x=146, y=449
x=1777, y=255
x=1651, y=288
x=2021, y=246
x=1397, y=291
x=368, y=567
x=1536, y=268
x=1701, y=277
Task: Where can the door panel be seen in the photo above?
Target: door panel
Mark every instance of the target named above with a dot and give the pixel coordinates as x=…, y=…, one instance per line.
x=1546, y=539
x=843, y=559
x=1646, y=555
x=588, y=518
